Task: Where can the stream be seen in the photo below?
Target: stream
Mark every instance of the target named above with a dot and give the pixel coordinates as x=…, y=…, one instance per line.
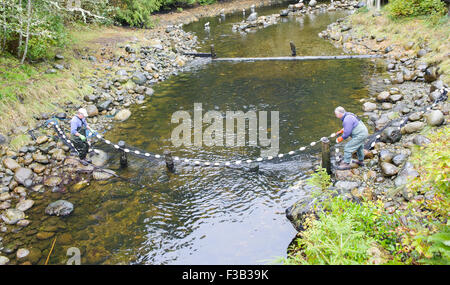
x=202, y=215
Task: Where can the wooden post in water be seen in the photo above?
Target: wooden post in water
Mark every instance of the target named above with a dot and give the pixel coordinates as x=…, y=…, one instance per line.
x=293, y=49
x=213, y=52
x=123, y=155
x=326, y=160
x=169, y=161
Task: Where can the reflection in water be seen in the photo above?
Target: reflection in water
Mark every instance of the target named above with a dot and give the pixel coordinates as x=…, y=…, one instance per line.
x=211, y=215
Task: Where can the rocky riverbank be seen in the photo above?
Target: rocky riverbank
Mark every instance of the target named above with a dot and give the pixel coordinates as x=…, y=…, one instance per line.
x=411, y=85
x=123, y=72
x=254, y=22
x=45, y=165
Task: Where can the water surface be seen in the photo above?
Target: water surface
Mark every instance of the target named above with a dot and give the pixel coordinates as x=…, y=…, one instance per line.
x=216, y=215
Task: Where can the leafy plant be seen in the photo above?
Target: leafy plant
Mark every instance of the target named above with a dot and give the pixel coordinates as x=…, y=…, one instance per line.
x=402, y=8
x=321, y=180
x=439, y=250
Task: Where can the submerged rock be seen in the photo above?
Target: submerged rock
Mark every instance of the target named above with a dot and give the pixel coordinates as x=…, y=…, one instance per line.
x=3, y=260
x=99, y=157
x=24, y=205
x=59, y=208
x=103, y=175
x=122, y=115
x=12, y=216
x=22, y=253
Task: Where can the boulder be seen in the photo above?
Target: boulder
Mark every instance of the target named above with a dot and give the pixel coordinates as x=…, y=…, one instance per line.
x=386, y=106
x=104, y=105
x=24, y=205
x=59, y=208
x=22, y=253
x=437, y=85
x=398, y=159
x=3, y=260
x=435, y=95
x=431, y=74
x=299, y=211
x=39, y=157
x=139, y=78
x=3, y=139
x=405, y=175
x=390, y=135
x=122, y=115
x=369, y=107
x=42, y=139
x=413, y=127
x=99, y=158
x=389, y=169
x=121, y=72
x=421, y=53
x=395, y=98
x=346, y=186
x=312, y=3
x=12, y=216
x=53, y=181
x=435, y=118
x=415, y=116
x=398, y=78
x=408, y=75
x=386, y=155
x=92, y=110
x=421, y=140
x=23, y=174
x=11, y=164
x=383, y=96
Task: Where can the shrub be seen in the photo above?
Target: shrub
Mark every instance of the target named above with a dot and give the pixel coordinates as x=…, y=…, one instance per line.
x=407, y=8
x=344, y=233
x=136, y=13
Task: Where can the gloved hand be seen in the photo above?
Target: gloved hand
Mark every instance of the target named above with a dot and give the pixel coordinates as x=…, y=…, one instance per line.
x=83, y=138
x=340, y=132
x=339, y=139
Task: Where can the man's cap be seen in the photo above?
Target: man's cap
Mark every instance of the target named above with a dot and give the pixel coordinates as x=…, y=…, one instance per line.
x=83, y=112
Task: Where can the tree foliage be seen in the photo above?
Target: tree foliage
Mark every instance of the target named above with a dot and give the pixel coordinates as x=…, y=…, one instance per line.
x=28, y=33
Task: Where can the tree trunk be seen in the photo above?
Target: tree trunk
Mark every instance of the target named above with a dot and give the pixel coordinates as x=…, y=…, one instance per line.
x=4, y=25
x=20, y=28
x=28, y=31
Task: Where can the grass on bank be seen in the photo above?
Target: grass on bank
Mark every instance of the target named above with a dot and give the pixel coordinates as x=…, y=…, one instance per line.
x=433, y=30
x=27, y=91
x=348, y=232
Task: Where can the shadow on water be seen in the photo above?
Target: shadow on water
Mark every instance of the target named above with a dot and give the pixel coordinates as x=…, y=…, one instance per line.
x=213, y=215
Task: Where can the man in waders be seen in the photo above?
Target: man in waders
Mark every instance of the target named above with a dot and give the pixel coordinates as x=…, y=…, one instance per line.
x=78, y=127
x=354, y=128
